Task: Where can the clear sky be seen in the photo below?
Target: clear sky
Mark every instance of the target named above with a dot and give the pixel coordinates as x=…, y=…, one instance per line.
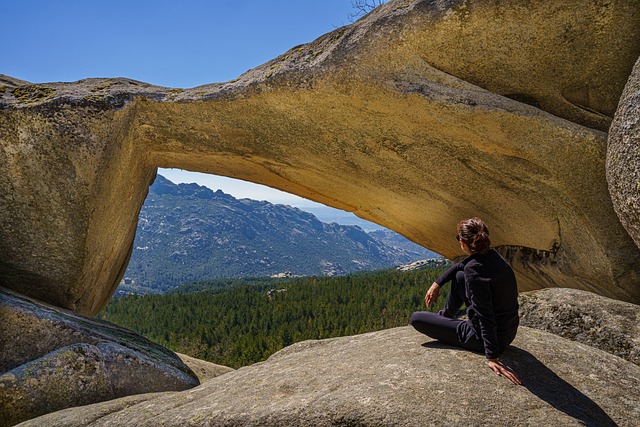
x=178, y=43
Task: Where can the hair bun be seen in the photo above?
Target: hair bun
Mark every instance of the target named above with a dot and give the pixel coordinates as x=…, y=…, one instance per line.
x=475, y=233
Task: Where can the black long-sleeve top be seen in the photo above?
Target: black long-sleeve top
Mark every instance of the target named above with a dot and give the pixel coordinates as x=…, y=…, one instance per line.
x=492, y=291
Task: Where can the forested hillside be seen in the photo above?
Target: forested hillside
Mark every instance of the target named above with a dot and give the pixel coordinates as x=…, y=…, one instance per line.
x=188, y=233
x=240, y=322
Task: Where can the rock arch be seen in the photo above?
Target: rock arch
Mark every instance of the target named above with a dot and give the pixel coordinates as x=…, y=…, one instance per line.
x=397, y=118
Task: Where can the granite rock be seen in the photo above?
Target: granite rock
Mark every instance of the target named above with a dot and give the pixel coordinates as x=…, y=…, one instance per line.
x=610, y=325
x=415, y=116
x=395, y=377
x=204, y=370
x=623, y=157
x=70, y=376
x=53, y=358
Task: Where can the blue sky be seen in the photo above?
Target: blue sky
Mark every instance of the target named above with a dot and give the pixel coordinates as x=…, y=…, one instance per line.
x=182, y=43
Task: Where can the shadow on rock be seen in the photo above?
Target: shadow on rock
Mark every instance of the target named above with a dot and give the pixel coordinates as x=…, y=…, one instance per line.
x=548, y=386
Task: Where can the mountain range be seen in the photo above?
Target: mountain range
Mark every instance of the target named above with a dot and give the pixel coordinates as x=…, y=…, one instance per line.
x=188, y=232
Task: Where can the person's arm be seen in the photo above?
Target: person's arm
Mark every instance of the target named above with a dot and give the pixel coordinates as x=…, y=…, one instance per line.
x=434, y=291
x=450, y=274
x=503, y=370
x=432, y=294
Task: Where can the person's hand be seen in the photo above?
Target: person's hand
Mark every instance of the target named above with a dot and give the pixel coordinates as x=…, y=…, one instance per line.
x=503, y=370
x=432, y=294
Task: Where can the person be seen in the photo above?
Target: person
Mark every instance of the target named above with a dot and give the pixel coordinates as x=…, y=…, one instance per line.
x=487, y=285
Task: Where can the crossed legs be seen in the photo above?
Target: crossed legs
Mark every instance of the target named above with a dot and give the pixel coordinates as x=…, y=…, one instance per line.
x=443, y=327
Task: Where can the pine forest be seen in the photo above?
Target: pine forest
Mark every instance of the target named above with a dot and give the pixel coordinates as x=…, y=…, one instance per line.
x=237, y=322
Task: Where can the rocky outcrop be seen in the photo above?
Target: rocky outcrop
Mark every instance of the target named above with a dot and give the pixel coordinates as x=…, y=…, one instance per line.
x=415, y=116
x=395, y=377
x=54, y=359
x=623, y=157
x=610, y=325
x=204, y=370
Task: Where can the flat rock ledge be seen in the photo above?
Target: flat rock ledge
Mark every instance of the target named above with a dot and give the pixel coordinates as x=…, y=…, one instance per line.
x=604, y=323
x=395, y=377
x=54, y=359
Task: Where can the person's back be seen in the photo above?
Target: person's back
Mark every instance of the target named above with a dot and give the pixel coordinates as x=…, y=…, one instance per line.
x=493, y=273
x=486, y=283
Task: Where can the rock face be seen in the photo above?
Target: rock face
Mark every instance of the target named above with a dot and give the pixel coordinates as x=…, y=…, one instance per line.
x=623, y=157
x=417, y=115
x=204, y=370
x=610, y=325
x=54, y=359
x=395, y=377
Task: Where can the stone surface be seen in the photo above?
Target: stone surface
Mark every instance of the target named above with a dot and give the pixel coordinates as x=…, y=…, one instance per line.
x=623, y=157
x=53, y=359
x=70, y=376
x=395, y=377
x=610, y=325
x=415, y=116
x=11, y=82
x=204, y=370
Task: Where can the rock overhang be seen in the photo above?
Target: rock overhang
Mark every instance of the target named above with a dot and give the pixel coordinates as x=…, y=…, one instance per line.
x=372, y=118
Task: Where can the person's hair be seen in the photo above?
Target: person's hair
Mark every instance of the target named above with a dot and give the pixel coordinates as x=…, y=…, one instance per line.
x=475, y=234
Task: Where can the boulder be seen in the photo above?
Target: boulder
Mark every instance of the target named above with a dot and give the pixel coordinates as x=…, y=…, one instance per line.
x=53, y=359
x=395, y=377
x=414, y=117
x=623, y=157
x=70, y=376
x=610, y=325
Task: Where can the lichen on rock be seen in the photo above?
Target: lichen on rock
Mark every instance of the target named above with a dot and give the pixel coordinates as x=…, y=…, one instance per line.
x=413, y=117
x=394, y=377
x=70, y=376
x=33, y=94
x=623, y=157
x=54, y=359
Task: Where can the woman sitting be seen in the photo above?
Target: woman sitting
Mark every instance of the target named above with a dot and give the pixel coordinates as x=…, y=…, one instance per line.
x=486, y=284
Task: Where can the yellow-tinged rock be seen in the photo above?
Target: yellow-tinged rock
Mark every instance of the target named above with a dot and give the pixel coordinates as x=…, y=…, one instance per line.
x=415, y=116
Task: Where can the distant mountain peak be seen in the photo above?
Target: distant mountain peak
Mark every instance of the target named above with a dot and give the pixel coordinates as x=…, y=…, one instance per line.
x=188, y=232
x=162, y=185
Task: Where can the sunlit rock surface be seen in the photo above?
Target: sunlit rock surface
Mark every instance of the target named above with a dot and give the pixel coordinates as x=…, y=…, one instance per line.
x=204, y=370
x=395, y=377
x=623, y=157
x=417, y=115
x=604, y=323
x=54, y=359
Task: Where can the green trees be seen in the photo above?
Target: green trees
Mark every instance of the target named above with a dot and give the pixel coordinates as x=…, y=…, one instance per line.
x=235, y=322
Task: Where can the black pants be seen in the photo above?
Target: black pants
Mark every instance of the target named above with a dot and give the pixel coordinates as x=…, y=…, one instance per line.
x=442, y=327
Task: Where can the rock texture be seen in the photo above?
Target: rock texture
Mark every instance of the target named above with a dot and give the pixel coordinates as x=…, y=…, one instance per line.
x=395, y=377
x=204, y=370
x=54, y=359
x=610, y=325
x=623, y=157
x=415, y=116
